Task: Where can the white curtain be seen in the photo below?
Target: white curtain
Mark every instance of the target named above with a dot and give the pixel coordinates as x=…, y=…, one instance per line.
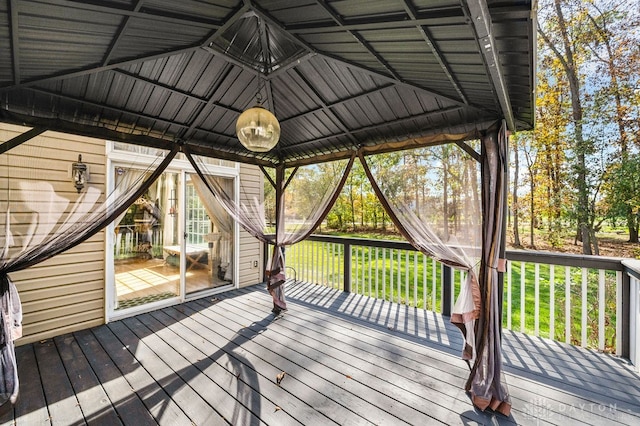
x=293, y=223
x=222, y=246
x=125, y=178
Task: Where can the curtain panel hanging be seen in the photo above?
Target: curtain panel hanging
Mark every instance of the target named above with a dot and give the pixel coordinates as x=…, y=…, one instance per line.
x=250, y=214
x=461, y=255
x=55, y=225
x=486, y=382
x=476, y=311
x=218, y=215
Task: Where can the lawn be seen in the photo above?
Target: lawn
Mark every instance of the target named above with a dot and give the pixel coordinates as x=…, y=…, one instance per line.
x=408, y=277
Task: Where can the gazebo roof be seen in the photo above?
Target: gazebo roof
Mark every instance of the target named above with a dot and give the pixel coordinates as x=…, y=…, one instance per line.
x=339, y=75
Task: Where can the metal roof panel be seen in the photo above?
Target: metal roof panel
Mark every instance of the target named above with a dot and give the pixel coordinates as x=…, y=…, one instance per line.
x=338, y=74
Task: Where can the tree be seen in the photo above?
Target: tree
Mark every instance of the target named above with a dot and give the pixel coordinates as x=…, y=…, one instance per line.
x=514, y=203
x=565, y=37
x=622, y=189
x=614, y=35
x=530, y=156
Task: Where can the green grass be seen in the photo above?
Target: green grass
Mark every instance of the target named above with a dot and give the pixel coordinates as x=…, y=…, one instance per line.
x=373, y=272
x=322, y=263
x=560, y=298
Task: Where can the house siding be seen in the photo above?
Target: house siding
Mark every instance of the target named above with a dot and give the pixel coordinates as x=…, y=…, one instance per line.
x=67, y=292
x=57, y=296
x=251, y=185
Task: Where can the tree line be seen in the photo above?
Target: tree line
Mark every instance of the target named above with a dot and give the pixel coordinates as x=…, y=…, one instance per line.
x=580, y=168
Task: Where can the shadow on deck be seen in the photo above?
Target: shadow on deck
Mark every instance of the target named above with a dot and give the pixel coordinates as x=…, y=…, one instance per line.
x=346, y=359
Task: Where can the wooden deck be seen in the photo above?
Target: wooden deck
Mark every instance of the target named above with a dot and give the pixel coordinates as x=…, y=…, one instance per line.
x=347, y=359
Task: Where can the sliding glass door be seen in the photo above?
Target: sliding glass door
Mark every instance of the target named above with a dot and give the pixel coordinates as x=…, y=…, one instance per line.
x=174, y=242
x=209, y=238
x=143, y=272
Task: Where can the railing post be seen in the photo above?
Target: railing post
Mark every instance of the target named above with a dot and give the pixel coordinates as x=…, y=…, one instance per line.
x=625, y=340
x=347, y=268
x=446, y=290
x=265, y=259
x=630, y=322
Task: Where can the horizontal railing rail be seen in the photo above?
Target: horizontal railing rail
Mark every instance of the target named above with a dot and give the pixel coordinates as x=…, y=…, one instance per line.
x=577, y=299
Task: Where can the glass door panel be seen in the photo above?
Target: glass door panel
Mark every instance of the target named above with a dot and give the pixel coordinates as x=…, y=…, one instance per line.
x=147, y=244
x=209, y=237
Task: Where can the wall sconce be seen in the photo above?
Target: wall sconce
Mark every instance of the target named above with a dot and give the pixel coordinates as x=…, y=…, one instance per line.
x=79, y=173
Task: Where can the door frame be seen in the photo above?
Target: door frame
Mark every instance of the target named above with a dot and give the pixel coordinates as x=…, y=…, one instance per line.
x=120, y=158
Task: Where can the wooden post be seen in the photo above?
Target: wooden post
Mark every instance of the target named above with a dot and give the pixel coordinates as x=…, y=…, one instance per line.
x=446, y=290
x=347, y=268
x=625, y=339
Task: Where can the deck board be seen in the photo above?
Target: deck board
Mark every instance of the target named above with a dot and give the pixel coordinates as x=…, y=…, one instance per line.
x=92, y=399
x=598, y=400
x=244, y=404
x=311, y=367
x=125, y=401
x=59, y=394
x=348, y=359
x=178, y=375
x=362, y=370
x=261, y=365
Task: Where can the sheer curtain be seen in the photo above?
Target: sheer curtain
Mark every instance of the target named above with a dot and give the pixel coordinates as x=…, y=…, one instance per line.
x=486, y=382
x=37, y=223
x=320, y=183
x=416, y=191
x=219, y=216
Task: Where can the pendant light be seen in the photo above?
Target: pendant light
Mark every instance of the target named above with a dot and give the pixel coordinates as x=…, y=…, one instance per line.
x=257, y=128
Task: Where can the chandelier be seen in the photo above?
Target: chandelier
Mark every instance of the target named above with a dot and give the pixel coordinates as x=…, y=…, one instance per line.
x=258, y=129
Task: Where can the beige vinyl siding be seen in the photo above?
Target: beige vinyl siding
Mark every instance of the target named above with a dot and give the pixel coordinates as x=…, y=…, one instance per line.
x=66, y=292
x=251, y=185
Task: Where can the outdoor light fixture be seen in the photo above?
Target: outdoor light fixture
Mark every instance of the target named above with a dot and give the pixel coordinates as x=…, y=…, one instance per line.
x=79, y=173
x=258, y=129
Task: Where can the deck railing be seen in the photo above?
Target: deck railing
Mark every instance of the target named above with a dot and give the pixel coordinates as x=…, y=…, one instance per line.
x=632, y=294
x=590, y=301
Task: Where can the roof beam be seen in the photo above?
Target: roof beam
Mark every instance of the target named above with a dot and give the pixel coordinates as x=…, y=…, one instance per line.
x=469, y=150
x=80, y=129
x=264, y=44
x=358, y=38
x=481, y=21
x=376, y=126
x=177, y=91
x=426, y=35
x=349, y=64
x=404, y=83
x=109, y=107
x=338, y=102
x=203, y=107
x=15, y=48
x=20, y=139
x=433, y=17
x=116, y=40
x=93, y=69
x=115, y=9
x=292, y=62
x=325, y=107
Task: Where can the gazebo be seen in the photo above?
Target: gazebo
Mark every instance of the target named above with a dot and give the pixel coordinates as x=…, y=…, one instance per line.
x=343, y=78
